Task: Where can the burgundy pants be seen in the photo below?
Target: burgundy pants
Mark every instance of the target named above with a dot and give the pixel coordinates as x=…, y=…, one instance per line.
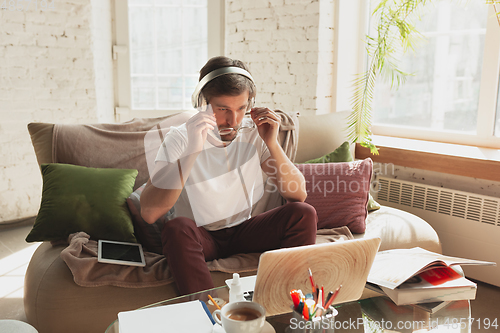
x=188, y=247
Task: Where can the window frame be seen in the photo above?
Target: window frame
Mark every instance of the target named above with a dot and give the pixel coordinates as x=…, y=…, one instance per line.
x=487, y=106
x=121, y=56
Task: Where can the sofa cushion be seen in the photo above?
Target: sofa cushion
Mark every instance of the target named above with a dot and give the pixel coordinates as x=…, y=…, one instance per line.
x=339, y=192
x=343, y=154
x=76, y=198
x=149, y=235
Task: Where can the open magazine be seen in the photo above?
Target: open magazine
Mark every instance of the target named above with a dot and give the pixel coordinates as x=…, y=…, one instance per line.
x=393, y=267
x=437, y=284
x=411, y=276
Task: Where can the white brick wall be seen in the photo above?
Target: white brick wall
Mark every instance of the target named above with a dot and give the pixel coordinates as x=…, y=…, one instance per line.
x=325, y=100
x=278, y=39
x=47, y=74
x=103, y=63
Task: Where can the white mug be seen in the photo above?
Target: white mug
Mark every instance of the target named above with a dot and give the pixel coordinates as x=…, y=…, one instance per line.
x=233, y=320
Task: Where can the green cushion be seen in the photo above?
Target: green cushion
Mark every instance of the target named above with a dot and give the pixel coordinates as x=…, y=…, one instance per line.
x=343, y=154
x=372, y=204
x=76, y=198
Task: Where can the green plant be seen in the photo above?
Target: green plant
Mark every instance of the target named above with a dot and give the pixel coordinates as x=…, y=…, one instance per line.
x=395, y=33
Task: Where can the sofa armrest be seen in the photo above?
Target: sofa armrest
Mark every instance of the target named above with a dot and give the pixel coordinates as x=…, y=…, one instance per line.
x=400, y=230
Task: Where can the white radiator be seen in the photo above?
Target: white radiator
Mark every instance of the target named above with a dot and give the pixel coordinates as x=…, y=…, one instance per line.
x=468, y=224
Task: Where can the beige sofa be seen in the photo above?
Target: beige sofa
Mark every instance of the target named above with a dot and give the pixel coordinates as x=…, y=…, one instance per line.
x=54, y=303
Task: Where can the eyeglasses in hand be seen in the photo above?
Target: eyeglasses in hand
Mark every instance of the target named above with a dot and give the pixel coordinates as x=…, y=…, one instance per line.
x=247, y=125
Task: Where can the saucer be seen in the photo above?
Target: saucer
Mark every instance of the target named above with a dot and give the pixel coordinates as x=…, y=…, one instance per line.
x=266, y=329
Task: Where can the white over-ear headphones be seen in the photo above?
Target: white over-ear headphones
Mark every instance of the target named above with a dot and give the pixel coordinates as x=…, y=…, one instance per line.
x=195, y=98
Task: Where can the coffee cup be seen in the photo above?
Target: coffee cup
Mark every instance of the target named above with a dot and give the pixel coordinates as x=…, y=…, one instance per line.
x=241, y=317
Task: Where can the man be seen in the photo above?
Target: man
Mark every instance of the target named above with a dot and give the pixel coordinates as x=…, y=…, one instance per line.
x=209, y=171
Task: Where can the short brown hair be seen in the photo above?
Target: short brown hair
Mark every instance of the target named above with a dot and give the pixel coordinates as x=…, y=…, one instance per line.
x=228, y=84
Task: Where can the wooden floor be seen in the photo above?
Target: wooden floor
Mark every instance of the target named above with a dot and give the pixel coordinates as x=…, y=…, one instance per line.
x=15, y=254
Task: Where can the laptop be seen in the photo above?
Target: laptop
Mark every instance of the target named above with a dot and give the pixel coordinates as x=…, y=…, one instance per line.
x=345, y=263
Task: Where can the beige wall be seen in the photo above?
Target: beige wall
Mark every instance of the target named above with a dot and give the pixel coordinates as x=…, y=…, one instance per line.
x=47, y=74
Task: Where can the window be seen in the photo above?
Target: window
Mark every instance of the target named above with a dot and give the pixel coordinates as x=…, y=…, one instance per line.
x=453, y=94
x=161, y=46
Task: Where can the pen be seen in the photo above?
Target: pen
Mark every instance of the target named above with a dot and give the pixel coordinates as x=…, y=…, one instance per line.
x=320, y=298
x=302, y=301
x=319, y=311
x=215, y=303
x=319, y=305
x=305, y=312
x=312, y=281
x=330, y=301
x=310, y=305
x=330, y=294
x=295, y=298
x=301, y=296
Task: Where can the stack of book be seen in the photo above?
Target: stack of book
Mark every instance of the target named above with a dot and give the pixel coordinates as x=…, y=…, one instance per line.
x=411, y=276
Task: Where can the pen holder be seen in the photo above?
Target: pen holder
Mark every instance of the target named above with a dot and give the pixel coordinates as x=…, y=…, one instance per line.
x=323, y=324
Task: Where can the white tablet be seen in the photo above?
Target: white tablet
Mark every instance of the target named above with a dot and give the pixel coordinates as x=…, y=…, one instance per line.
x=121, y=253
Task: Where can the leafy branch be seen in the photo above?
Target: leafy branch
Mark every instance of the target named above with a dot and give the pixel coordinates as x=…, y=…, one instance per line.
x=395, y=33
x=495, y=3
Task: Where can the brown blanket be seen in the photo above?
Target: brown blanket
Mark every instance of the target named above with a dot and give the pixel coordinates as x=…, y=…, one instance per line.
x=81, y=258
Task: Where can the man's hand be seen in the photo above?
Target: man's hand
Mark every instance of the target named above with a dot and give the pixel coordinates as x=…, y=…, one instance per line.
x=168, y=178
x=197, y=128
x=268, y=124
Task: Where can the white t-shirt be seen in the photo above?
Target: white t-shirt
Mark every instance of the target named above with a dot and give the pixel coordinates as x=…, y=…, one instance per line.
x=224, y=183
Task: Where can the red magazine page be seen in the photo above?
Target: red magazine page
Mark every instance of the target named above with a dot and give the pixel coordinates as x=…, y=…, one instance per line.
x=440, y=275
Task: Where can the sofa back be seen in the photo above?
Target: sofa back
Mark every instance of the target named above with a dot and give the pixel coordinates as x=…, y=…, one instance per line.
x=321, y=134
x=122, y=145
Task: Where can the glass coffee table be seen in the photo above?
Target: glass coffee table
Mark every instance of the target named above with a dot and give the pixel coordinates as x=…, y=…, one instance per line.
x=375, y=314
